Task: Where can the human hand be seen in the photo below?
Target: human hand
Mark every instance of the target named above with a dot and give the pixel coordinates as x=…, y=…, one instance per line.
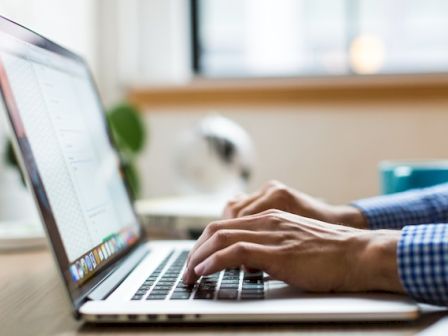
x=275, y=195
x=306, y=253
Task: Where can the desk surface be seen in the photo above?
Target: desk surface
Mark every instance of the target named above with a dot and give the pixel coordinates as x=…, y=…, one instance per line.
x=33, y=302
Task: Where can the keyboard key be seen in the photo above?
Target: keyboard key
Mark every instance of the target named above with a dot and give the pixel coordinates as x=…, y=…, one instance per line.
x=211, y=277
x=156, y=297
x=252, y=286
x=255, y=275
x=165, y=283
x=253, y=292
x=183, y=290
x=226, y=294
x=225, y=281
x=163, y=287
x=204, y=296
x=257, y=280
x=208, y=289
x=229, y=286
x=160, y=291
x=180, y=296
x=162, y=280
x=252, y=297
x=207, y=286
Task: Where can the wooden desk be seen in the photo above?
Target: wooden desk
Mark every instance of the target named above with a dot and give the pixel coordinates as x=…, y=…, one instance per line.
x=33, y=302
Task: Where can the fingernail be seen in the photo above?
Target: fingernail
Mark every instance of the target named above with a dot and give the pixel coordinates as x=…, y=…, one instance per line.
x=199, y=269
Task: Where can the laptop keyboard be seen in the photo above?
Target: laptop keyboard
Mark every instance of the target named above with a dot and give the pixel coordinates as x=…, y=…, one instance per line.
x=165, y=283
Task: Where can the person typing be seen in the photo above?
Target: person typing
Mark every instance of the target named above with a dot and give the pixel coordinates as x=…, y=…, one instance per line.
x=396, y=243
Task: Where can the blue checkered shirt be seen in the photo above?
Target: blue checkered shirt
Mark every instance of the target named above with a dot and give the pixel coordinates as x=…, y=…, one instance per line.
x=422, y=251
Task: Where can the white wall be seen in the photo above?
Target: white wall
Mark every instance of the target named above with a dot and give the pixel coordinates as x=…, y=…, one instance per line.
x=329, y=150
x=142, y=42
x=70, y=23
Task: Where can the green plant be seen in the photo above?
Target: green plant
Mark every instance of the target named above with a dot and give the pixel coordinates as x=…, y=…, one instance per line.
x=10, y=156
x=129, y=134
x=11, y=159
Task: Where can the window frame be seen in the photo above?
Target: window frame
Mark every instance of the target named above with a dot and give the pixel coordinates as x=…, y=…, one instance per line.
x=195, y=45
x=198, y=72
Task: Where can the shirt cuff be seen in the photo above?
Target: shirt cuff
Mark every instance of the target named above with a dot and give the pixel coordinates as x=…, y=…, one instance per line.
x=422, y=258
x=406, y=208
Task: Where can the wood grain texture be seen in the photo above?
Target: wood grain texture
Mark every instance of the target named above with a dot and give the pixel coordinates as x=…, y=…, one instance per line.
x=33, y=302
x=292, y=91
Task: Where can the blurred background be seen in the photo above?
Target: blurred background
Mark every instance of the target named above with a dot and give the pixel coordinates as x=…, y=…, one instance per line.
x=325, y=88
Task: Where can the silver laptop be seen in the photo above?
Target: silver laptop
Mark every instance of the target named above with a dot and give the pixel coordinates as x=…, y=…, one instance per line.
x=110, y=270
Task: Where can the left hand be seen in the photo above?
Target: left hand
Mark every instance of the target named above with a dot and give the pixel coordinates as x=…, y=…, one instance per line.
x=306, y=253
x=276, y=195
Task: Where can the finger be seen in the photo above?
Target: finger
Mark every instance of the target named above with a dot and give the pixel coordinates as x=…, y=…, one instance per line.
x=209, y=230
x=257, y=222
x=263, y=203
x=227, y=213
x=224, y=238
x=250, y=270
x=233, y=208
x=242, y=253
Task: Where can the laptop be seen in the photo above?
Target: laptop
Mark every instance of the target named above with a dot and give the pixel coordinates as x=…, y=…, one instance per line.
x=111, y=270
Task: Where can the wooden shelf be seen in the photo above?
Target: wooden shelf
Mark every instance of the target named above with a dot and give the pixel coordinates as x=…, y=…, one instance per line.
x=292, y=91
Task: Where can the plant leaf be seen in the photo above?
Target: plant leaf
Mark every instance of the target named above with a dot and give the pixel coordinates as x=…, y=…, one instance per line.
x=128, y=127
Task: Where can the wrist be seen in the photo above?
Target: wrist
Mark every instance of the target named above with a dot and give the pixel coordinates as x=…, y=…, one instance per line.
x=350, y=216
x=376, y=262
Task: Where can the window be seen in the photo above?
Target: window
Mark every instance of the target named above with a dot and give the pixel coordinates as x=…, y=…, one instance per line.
x=253, y=38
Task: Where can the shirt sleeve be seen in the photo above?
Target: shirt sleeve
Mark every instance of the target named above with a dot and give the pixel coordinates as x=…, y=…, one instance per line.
x=422, y=257
x=429, y=205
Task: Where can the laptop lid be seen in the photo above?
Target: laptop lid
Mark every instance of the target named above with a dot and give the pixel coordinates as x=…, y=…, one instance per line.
x=67, y=156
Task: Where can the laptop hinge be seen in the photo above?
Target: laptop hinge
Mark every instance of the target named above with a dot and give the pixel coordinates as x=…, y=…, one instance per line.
x=103, y=289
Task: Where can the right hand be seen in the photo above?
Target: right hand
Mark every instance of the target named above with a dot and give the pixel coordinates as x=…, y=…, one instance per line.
x=306, y=253
x=275, y=195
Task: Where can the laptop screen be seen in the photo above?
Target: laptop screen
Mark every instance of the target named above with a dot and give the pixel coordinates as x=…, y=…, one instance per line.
x=73, y=167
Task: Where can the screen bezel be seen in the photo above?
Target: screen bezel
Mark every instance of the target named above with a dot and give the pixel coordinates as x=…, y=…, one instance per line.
x=29, y=167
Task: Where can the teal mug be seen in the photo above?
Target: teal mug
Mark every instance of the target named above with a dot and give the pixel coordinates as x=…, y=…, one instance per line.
x=398, y=176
